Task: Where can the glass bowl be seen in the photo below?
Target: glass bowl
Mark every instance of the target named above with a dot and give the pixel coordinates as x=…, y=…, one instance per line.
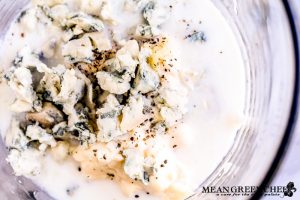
x=267, y=36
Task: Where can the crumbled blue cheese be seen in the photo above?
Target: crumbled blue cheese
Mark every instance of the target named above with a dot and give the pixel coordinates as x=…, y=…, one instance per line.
x=47, y=116
x=112, y=83
x=35, y=132
x=133, y=113
x=100, y=8
x=59, y=129
x=117, y=114
x=20, y=106
x=113, y=65
x=170, y=115
x=29, y=20
x=20, y=81
x=25, y=163
x=134, y=164
x=108, y=152
x=197, y=36
x=174, y=93
x=120, y=69
x=100, y=41
x=49, y=49
x=155, y=167
x=80, y=131
x=145, y=31
x=80, y=50
x=85, y=137
x=50, y=84
x=43, y=15
x=15, y=138
x=106, y=13
x=59, y=13
x=71, y=91
x=147, y=79
x=71, y=88
x=82, y=23
x=159, y=128
x=128, y=56
x=27, y=58
x=108, y=120
x=155, y=13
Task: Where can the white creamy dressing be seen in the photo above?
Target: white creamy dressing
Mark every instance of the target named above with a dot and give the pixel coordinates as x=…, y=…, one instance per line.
x=215, y=106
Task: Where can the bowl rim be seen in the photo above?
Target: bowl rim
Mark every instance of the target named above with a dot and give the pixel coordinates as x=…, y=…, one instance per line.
x=294, y=115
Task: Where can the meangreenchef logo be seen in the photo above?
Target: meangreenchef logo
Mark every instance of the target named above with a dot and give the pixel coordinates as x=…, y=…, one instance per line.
x=237, y=191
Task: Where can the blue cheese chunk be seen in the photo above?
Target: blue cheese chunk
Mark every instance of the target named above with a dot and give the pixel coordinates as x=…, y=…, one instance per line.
x=49, y=49
x=28, y=59
x=50, y=84
x=20, y=81
x=108, y=120
x=113, y=65
x=35, y=132
x=20, y=106
x=120, y=69
x=112, y=83
x=86, y=137
x=71, y=88
x=146, y=31
x=82, y=23
x=147, y=79
x=134, y=164
x=15, y=137
x=80, y=50
x=128, y=55
x=155, y=13
x=28, y=21
x=59, y=130
x=133, y=114
x=174, y=93
x=171, y=116
x=47, y=117
x=99, y=8
x=107, y=14
x=100, y=41
x=25, y=163
x=71, y=91
x=108, y=153
x=59, y=13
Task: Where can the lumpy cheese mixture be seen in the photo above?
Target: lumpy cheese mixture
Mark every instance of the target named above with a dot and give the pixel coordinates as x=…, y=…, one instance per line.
x=101, y=86
x=109, y=104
